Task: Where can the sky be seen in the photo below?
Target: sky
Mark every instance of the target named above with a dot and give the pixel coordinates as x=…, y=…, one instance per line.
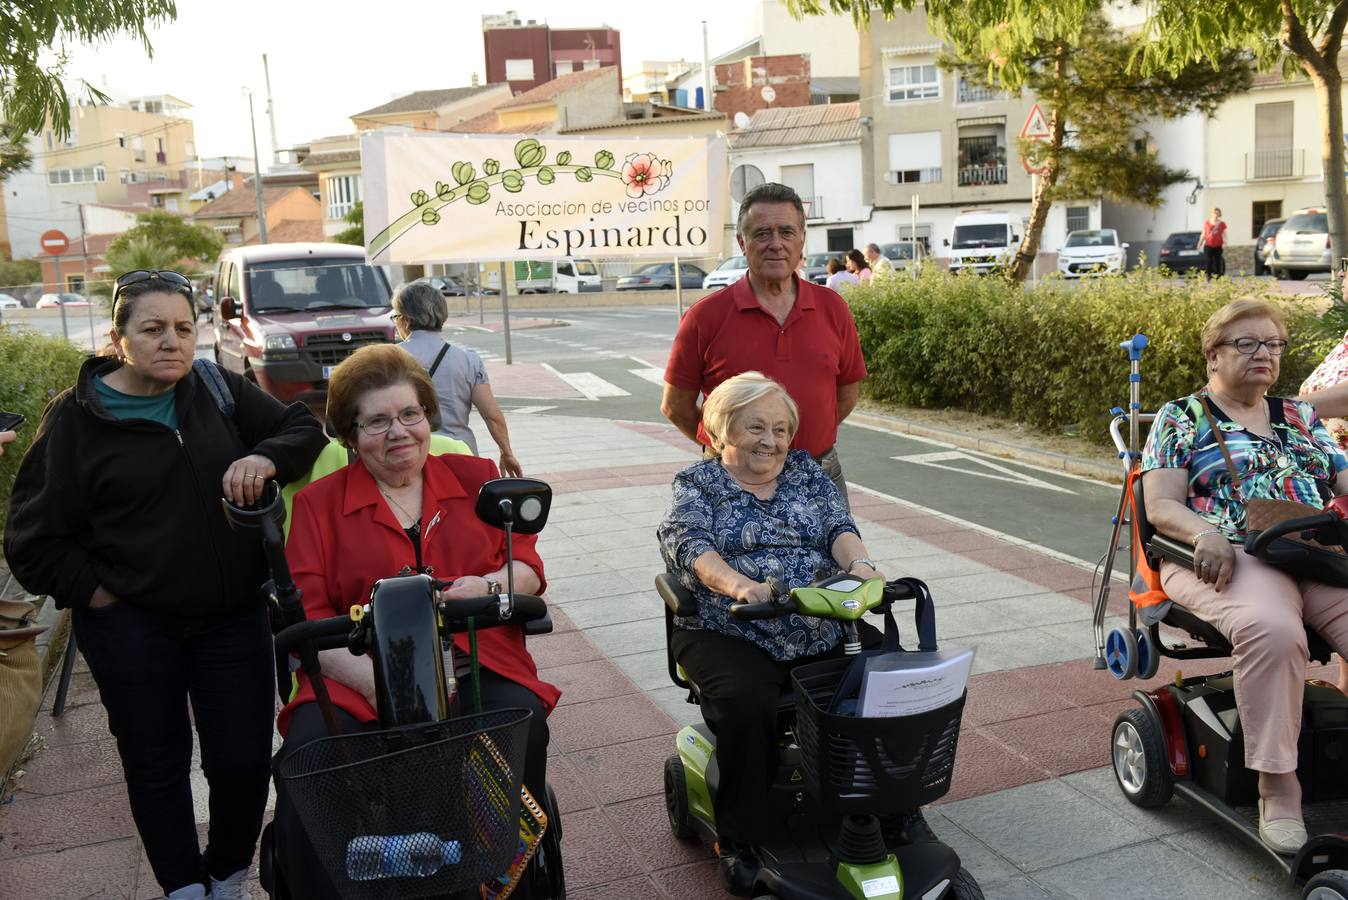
x=329, y=60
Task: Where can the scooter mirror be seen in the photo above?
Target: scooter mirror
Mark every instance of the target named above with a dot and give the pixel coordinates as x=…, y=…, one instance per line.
x=521, y=503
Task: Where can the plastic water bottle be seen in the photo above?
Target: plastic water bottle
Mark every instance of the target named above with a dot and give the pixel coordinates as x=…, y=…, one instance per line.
x=374, y=856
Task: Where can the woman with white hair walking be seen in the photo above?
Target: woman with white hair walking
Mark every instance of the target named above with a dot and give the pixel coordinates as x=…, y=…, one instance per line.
x=459, y=376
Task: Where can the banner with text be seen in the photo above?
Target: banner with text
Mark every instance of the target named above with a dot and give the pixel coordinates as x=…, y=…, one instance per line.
x=433, y=198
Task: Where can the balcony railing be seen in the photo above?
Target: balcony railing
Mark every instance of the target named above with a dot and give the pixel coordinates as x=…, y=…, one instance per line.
x=814, y=207
x=915, y=176
x=1275, y=164
x=968, y=92
x=977, y=176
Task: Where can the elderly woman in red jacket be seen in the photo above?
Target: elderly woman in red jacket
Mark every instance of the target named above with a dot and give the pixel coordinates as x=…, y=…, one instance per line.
x=397, y=506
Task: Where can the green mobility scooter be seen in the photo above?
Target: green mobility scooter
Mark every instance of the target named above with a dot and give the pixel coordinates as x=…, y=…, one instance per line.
x=837, y=772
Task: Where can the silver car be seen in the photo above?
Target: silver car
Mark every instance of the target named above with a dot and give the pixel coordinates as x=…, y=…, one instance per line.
x=1302, y=245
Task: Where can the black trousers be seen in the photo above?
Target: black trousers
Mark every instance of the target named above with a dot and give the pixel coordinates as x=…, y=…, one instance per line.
x=148, y=666
x=740, y=685
x=303, y=872
x=1212, y=260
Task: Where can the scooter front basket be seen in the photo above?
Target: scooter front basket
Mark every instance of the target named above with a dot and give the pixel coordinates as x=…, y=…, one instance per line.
x=374, y=801
x=861, y=766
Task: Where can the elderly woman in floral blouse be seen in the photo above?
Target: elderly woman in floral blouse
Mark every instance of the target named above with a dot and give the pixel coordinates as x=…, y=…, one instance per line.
x=1208, y=454
x=758, y=510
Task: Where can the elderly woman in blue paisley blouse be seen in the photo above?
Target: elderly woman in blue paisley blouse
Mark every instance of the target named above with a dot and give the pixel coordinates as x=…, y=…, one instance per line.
x=758, y=510
x=1196, y=488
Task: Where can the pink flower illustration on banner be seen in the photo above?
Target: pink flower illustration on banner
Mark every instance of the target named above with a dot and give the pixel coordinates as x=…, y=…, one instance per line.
x=646, y=173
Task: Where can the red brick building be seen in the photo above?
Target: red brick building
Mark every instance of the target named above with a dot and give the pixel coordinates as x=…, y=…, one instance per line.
x=740, y=85
x=525, y=54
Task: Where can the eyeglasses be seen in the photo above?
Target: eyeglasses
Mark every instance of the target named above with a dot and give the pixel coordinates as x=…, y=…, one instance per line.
x=136, y=276
x=1248, y=346
x=381, y=424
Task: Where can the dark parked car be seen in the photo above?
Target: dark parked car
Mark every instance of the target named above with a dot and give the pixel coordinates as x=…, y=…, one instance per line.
x=1263, y=245
x=815, y=266
x=660, y=276
x=447, y=286
x=1181, y=252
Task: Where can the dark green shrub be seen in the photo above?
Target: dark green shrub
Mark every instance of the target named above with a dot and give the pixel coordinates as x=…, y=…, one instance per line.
x=33, y=369
x=1049, y=355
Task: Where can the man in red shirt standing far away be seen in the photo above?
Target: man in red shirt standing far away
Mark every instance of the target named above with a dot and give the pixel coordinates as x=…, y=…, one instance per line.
x=771, y=321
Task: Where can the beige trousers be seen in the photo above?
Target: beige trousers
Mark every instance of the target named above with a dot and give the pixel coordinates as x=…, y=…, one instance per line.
x=1263, y=612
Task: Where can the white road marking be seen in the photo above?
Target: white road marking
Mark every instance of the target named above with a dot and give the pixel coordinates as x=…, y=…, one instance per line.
x=936, y=460
x=589, y=384
x=528, y=410
x=654, y=376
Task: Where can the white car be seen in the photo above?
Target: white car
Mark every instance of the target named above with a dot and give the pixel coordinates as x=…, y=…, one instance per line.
x=8, y=302
x=728, y=272
x=1092, y=252
x=52, y=301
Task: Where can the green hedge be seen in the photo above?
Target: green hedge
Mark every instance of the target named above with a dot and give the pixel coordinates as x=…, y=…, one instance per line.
x=33, y=369
x=1049, y=355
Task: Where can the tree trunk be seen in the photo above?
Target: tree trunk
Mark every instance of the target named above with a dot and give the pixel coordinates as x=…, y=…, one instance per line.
x=1023, y=262
x=1329, y=91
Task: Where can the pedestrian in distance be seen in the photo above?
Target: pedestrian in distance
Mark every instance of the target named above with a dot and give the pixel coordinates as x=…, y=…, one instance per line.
x=880, y=264
x=1213, y=241
x=858, y=266
x=459, y=375
x=838, y=274
x=116, y=514
x=774, y=322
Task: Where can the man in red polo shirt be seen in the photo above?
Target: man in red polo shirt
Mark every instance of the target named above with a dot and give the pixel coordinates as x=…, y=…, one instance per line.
x=771, y=321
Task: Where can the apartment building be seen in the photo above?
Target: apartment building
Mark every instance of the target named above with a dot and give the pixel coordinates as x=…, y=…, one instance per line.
x=137, y=140
x=950, y=143
x=527, y=53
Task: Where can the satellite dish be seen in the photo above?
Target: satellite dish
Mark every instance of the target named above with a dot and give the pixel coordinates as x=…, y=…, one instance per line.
x=741, y=119
x=768, y=93
x=744, y=179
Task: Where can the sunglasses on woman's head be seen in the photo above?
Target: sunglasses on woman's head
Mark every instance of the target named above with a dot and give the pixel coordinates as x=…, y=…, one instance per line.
x=136, y=276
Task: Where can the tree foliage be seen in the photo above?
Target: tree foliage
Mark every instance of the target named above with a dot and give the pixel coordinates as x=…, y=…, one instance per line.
x=356, y=233
x=1082, y=70
x=33, y=55
x=177, y=237
x=14, y=154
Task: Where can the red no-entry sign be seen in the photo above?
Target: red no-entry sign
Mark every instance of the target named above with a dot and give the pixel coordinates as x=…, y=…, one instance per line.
x=54, y=242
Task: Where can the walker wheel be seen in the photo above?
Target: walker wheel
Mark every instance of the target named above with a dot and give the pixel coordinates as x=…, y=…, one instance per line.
x=1121, y=653
x=1331, y=884
x=1148, y=654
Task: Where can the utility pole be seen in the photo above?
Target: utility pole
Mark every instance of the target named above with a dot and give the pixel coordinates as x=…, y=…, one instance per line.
x=84, y=248
x=706, y=72
x=271, y=115
x=257, y=175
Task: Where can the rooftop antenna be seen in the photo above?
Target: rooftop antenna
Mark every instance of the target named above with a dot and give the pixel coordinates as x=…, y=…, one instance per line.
x=271, y=115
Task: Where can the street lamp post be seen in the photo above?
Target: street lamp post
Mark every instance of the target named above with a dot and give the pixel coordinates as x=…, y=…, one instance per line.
x=257, y=174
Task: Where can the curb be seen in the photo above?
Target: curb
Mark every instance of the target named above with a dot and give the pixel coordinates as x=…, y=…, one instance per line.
x=1047, y=459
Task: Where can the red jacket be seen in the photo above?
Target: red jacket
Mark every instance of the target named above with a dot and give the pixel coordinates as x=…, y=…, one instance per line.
x=1214, y=235
x=345, y=538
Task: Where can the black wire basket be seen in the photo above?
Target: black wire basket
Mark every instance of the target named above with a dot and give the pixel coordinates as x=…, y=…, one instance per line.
x=421, y=811
x=861, y=766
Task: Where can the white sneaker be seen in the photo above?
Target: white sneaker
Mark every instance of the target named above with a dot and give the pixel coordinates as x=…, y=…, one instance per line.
x=188, y=892
x=231, y=888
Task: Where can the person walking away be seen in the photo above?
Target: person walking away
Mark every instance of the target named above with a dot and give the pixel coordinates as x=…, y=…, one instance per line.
x=771, y=321
x=115, y=513
x=459, y=376
x=1213, y=241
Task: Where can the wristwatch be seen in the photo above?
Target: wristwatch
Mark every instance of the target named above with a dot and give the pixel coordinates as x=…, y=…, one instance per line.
x=853, y=564
x=493, y=586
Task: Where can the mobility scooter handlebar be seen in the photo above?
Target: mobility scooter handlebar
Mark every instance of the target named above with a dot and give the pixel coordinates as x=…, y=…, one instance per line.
x=784, y=604
x=1261, y=544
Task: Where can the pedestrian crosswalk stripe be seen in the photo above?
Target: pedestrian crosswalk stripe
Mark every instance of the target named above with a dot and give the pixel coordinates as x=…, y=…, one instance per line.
x=654, y=376
x=591, y=385
x=943, y=460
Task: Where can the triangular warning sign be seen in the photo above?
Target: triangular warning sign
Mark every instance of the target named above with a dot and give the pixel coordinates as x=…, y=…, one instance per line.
x=1036, y=125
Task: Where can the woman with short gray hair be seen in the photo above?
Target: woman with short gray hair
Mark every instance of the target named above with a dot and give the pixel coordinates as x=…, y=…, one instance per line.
x=459, y=376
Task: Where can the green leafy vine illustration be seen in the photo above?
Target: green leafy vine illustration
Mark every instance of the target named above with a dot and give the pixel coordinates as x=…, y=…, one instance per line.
x=641, y=173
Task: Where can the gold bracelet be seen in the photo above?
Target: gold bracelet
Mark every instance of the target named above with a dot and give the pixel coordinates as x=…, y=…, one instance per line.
x=1205, y=533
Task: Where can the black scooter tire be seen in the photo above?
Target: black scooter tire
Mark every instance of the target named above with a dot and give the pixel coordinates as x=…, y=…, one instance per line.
x=676, y=799
x=965, y=886
x=1331, y=884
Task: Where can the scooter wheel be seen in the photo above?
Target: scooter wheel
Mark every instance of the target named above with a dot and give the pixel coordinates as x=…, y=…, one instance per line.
x=1148, y=654
x=965, y=886
x=676, y=799
x=1121, y=653
x=1140, y=761
x=1331, y=884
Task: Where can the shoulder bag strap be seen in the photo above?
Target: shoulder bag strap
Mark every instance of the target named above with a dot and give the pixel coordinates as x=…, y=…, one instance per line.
x=215, y=383
x=1221, y=442
x=438, y=357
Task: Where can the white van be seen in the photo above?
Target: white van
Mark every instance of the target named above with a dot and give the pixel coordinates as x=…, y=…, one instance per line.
x=569, y=275
x=982, y=240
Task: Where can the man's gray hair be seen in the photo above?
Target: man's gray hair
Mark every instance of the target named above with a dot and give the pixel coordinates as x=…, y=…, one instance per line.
x=873, y=248
x=771, y=192
x=422, y=305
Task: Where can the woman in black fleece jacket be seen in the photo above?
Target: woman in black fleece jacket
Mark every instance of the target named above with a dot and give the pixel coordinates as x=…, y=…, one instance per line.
x=116, y=514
